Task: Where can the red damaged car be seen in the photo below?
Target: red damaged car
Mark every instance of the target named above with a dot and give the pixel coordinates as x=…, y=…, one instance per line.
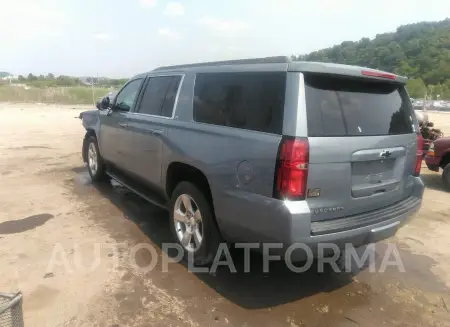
x=438, y=156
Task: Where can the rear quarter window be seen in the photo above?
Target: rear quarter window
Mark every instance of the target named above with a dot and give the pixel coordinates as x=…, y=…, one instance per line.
x=340, y=106
x=251, y=101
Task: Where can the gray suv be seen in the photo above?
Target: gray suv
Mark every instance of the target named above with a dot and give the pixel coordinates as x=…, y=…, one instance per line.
x=263, y=150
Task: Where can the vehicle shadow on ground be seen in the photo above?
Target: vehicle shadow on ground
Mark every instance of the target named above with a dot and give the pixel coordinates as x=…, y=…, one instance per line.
x=251, y=290
x=256, y=289
x=433, y=181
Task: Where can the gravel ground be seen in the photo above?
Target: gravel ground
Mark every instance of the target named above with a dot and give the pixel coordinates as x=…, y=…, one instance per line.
x=58, y=233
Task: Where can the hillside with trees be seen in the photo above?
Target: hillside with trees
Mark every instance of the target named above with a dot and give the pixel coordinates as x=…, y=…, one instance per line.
x=419, y=51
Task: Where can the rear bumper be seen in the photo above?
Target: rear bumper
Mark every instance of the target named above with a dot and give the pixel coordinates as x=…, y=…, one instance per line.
x=290, y=223
x=433, y=163
x=374, y=217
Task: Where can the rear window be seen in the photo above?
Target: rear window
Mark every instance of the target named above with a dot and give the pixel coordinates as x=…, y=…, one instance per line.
x=339, y=106
x=252, y=101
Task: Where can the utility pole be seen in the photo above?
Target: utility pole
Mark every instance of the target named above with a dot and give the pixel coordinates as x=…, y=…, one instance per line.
x=93, y=92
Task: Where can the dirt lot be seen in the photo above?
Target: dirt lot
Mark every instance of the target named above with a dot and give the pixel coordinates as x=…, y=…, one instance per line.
x=54, y=223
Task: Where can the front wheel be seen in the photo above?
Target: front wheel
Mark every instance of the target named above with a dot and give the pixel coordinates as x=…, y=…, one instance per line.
x=446, y=177
x=95, y=164
x=193, y=225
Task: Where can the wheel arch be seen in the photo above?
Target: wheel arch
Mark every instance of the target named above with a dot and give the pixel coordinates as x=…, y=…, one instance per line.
x=179, y=171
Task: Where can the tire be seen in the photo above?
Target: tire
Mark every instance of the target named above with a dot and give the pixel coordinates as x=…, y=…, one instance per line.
x=95, y=163
x=446, y=177
x=203, y=252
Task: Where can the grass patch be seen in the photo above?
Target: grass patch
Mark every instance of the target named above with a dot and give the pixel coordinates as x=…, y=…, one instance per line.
x=61, y=95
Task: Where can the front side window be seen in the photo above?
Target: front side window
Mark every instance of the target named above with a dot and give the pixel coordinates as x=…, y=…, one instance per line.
x=127, y=96
x=159, y=96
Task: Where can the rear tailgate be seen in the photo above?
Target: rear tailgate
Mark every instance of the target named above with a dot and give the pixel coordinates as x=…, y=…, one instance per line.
x=363, y=144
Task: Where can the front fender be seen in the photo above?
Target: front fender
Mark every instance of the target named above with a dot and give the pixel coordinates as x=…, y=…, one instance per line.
x=91, y=122
x=90, y=119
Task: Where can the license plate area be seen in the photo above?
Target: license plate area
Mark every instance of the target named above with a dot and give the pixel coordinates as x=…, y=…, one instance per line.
x=372, y=172
x=374, y=177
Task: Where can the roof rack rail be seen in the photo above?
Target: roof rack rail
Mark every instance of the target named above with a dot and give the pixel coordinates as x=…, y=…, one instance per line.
x=266, y=60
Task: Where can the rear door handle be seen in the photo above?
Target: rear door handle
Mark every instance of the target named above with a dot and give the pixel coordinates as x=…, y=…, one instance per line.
x=123, y=125
x=156, y=132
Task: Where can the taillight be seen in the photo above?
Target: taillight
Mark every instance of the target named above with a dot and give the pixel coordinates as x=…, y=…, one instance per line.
x=292, y=169
x=419, y=154
x=378, y=74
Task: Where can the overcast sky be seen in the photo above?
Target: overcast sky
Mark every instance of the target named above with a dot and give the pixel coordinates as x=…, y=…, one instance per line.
x=120, y=38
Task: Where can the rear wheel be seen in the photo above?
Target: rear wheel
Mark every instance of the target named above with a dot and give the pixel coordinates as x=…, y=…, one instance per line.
x=193, y=225
x=446, y=177
x=95, y=163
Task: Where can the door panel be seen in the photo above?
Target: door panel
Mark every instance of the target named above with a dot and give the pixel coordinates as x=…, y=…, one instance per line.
x=109, y=135
x=115, y=138
x=125, y=149
x=148, y=125
x=148, y=136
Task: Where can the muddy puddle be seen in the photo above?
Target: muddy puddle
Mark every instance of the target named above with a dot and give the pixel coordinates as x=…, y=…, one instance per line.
x=24, y=224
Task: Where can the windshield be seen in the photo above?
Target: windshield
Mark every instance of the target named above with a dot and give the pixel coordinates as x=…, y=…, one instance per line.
x=342, y=106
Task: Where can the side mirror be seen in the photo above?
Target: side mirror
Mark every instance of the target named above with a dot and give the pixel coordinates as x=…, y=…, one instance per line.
x=104, y=104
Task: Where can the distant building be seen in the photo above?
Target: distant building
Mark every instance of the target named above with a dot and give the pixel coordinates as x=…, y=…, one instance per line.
x=9, y=77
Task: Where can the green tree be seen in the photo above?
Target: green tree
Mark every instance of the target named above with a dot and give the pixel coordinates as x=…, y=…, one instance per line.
x=438, y=91
x=447, y=82
x=63, y=80
x=420, y=50
x=21, y=78
x=430, y=92
x=445, y=92
x=416, y=88
x=31, y=77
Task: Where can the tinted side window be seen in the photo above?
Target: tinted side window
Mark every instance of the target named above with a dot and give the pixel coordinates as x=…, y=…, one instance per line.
x=154, y=94
x=253, y=101
x=127, y=96
x=339, y=106
x=171, y=94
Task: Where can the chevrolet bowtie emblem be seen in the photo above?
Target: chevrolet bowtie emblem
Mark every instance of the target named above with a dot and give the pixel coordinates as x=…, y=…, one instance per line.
x=385, y=154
